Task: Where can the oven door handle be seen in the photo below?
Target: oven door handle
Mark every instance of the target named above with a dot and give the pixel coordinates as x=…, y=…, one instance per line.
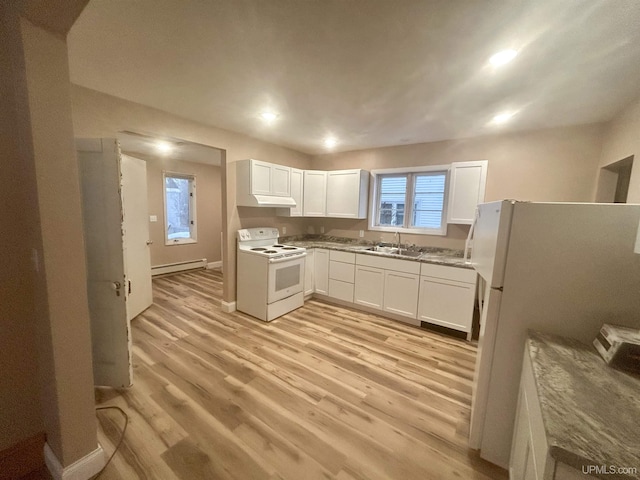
x=287, y=259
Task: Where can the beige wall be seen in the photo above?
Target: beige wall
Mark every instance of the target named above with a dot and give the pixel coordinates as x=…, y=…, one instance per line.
x=621, y=140
x=557, y=164
x=99, y=115
x=208, y=211
x=44, y=307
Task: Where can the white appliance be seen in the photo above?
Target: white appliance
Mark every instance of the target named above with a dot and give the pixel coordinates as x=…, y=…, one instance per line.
x=560, y=268
x=270, y=275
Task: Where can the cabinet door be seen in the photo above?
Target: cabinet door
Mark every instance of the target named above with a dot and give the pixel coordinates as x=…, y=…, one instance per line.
x=321, y=271
x=260, y=178
x=309, y=267
x=297, y=177
x=314, y=196
x=346, y=194
x=280, y=181
x=401, y=293
x=466, y=190
x=446, y=303
x=369, y=286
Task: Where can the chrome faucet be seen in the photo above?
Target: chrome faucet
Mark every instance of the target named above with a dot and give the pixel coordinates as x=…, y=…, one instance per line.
x=397, y=236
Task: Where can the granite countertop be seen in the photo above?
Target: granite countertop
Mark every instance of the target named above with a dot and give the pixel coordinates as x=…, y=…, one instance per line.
x=440, y=256
x=591, y=412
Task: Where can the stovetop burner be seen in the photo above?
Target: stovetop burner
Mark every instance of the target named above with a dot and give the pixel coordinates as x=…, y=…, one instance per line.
x=270, y=251
x=278, y=246
x=289, y=248
x=258, y=249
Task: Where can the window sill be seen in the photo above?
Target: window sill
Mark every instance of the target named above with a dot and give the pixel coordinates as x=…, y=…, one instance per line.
x=418, y=231
x=180, y=241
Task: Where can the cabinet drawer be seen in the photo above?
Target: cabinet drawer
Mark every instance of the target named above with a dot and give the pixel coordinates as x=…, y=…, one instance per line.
x=341, y=290
x=344, y=272
x=346, y=257
x=395, y=264
x=467, y=275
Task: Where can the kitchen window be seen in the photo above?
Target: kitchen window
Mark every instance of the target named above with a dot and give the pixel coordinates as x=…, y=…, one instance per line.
x=410, y=200
x=179, y=208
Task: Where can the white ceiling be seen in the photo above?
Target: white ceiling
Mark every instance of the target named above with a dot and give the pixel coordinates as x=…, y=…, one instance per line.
x=136, y=143
x=369, y=72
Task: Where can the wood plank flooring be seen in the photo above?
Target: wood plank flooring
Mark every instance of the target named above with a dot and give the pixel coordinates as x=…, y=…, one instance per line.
x=323, y=392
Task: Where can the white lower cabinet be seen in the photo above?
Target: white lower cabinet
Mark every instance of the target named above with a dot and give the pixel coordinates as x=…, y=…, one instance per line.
x=321, y=271
x=401, y=293
x=530, y=458
x=309, y=273
x=341, y=275
x=369, y=286
x=447, y=297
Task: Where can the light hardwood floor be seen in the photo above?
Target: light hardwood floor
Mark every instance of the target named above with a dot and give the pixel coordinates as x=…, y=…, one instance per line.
x=323, y=392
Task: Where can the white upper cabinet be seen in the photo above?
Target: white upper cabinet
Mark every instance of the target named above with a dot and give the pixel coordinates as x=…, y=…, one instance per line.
x=466, y=190
x=297, y=179
x=314, y=197
x=347, y=193
x=257, y=183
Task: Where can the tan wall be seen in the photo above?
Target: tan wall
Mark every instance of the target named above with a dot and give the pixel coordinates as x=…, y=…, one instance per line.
x=208, y=211
x=20, y=412
x=557, y=164
x=99, y=115
x=621, y=140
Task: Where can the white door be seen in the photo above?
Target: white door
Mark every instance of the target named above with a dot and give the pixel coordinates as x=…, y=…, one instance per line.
x=100, y=174
x=314, y=203
x=401, y=293
x=369, y=286
x=136, y=235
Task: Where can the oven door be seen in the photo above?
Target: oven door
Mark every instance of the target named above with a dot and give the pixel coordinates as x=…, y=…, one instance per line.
x=286, y=277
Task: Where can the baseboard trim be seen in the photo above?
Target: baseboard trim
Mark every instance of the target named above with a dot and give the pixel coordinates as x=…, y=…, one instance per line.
x=22, y=458
x=228, y=306
x=82, y=469
x=217, y=264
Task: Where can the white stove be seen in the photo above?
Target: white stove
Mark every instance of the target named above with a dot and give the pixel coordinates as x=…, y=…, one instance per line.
x=270, y=276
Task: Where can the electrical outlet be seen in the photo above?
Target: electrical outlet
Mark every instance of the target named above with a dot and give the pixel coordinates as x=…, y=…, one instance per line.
x=321, y=229
x=284, y=230
x=361, y=233
x=153, y=218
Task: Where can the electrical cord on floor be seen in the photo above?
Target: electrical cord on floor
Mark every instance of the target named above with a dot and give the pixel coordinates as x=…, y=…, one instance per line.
x=124, y=429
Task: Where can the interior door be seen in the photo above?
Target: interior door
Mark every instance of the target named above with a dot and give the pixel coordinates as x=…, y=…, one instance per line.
x=137, y=258
x=100, y=178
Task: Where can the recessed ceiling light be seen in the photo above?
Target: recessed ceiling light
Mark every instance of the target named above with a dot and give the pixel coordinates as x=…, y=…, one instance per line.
x=330, y=142
x=268, y=116
x=164, y=147
x=502, y=118
x=503, y=57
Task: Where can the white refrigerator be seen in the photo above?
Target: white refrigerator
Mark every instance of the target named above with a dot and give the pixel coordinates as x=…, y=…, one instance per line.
x=561, y=268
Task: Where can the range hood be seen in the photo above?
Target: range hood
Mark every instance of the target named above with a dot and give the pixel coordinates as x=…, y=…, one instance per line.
x=252, y=200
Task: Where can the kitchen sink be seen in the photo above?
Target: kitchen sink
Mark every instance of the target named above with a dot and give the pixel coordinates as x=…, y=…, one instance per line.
x=409, y=253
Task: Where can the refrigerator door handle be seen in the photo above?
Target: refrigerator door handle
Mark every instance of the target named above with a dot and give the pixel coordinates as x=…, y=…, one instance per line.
x=469, y=242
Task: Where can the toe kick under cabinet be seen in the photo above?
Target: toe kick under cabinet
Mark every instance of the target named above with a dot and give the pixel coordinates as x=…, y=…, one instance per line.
x=447, y=296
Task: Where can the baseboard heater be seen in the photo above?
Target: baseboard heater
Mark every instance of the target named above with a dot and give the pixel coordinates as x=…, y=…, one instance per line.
x=178, y=267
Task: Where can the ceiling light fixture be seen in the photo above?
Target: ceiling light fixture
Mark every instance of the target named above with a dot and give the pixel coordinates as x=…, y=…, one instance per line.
x=330, y=142
x=502, y=118
x=268, y=116
x=503, y=57
x=164, y=147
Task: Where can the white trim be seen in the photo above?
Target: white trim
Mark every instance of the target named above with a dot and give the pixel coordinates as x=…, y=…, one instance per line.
x=228, y=306
x=217, y=264
x=178, y=266
x=82, y=469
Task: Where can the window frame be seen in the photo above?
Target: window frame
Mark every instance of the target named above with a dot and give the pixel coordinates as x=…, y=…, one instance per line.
x=193, y=230
x=410, y=173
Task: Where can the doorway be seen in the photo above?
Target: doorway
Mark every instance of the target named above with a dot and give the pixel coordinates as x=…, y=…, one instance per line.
x=613, y=184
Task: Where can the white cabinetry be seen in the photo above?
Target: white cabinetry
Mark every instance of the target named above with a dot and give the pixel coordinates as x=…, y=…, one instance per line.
x=369, y=286
x=314, y=197
x=341, y=275
x=297, y=181
x=309, y=267
x=530, y=459
x=255, y=178
x=321, y=271
x=347, y=193
x=401, y=293
x=466, y=189
x=447, y=296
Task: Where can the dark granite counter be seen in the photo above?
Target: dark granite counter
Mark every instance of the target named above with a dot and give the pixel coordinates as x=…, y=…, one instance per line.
x=440, y=256
x=591, y=412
